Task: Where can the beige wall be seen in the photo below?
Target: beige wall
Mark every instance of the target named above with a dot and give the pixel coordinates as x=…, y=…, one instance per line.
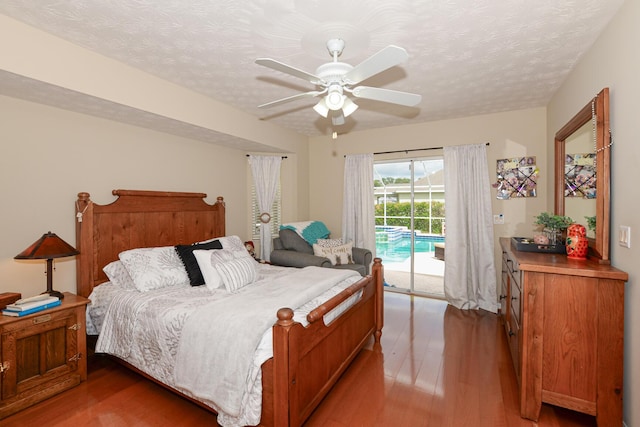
x=49, y=155
x=613, y=62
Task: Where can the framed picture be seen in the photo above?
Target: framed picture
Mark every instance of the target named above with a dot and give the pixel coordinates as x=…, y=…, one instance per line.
x=517, y=177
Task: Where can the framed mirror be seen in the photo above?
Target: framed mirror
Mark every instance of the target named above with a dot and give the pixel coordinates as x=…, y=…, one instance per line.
x=582, y=170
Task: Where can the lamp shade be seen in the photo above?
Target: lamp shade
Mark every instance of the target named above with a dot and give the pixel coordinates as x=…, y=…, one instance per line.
x=49, y=246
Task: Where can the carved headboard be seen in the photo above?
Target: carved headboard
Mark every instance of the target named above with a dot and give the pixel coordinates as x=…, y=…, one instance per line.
x=138, y=219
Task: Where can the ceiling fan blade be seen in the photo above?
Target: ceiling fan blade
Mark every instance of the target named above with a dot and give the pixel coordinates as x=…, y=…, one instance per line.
x=292, y=98
x=388, y=57
x=288, y=69
x=387, y=95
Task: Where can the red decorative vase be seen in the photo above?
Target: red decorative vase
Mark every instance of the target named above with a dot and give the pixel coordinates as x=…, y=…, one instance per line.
x=577, y=243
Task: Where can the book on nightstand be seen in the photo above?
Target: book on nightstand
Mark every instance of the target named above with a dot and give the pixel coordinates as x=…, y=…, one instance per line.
x=31, y=302
x=26, y=311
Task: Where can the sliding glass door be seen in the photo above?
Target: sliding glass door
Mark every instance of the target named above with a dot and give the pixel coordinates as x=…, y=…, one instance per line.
x=410, y=228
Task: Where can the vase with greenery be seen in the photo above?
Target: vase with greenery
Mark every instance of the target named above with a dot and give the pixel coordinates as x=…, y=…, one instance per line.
x=553, y=225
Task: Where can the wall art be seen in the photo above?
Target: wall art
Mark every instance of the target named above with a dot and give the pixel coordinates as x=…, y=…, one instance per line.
x=517, y=177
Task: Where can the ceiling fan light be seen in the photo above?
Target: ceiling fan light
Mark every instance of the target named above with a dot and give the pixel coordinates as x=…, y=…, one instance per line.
x=348, y=107
x=321, y=108
x=335, y=100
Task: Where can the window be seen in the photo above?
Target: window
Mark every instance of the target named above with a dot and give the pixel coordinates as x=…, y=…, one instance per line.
x=276, y=214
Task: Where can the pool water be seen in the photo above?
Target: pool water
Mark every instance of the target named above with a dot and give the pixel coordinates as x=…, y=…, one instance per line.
x=399, y=250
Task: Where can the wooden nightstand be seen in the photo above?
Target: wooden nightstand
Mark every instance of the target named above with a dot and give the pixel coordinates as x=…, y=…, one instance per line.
x=42, y=354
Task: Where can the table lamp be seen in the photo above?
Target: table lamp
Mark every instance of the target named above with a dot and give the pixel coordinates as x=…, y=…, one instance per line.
x=48, y=247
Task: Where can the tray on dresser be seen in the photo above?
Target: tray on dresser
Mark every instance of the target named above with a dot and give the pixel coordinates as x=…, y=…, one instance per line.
x=526, y=244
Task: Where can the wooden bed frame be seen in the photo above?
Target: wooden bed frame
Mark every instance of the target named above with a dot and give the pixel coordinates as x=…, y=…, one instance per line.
x=307, y=361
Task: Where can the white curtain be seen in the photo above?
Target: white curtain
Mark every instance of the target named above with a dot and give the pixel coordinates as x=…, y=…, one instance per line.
x=469, y=272
x=266, y=176
x=358, y=222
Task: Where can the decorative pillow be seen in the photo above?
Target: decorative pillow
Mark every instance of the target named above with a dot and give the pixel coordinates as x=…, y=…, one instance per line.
x=118, y=275
x=154, y=268
x=338, y=255
x=185, y=252
x=240, y=271
x=237, y=273
x=209, y=273
x=293, y=242
x=329, y=243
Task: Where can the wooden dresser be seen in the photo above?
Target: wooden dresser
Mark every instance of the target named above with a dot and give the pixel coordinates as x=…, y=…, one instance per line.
x=42, y=354
x=564, y=321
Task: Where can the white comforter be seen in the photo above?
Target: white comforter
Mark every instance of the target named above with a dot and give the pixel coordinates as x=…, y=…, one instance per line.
x=145, y=330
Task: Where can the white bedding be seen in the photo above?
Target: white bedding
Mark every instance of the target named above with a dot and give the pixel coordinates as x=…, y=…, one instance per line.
x=150, y=325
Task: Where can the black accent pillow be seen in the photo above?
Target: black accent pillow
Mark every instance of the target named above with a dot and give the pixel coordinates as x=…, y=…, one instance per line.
x=185, y=252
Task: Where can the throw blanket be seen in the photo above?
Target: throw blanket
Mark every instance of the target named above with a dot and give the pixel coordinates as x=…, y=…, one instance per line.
x=310, y=231
x=227, y=349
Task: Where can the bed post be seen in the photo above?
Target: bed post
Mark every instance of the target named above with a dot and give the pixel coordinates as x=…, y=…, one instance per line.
x=281, y=367
x=378, y=275
x=84, y=243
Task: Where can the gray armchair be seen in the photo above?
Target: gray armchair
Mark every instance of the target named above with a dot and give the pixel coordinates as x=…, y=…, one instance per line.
x=291, y=250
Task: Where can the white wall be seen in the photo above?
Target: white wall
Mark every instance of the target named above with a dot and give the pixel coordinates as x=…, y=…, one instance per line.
x=614, y=62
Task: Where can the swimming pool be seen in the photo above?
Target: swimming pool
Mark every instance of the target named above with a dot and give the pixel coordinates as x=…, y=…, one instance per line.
x=398, y=249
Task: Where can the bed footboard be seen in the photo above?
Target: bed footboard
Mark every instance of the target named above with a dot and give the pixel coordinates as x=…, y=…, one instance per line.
x=308, y=361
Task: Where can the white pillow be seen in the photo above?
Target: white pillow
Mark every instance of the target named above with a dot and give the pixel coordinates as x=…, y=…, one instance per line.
x=338, y=255
x=154, y=268
x=118, y=275
x=212, y=279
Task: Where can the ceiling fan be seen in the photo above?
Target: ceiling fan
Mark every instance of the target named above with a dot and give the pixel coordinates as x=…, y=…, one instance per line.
x=335, y=80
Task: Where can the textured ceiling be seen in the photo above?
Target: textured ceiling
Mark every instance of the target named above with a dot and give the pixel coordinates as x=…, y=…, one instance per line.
x=466, y=57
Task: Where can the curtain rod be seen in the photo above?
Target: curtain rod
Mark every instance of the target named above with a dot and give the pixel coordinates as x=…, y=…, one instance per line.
x=284, y=157
x=414, y=149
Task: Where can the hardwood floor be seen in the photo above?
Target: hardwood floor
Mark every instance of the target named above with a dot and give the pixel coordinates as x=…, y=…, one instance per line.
x=436, y=366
